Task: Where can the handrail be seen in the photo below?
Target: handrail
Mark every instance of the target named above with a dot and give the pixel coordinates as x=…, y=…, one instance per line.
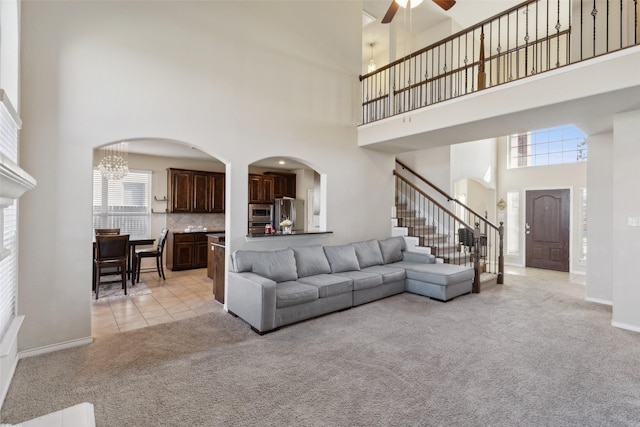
x=425, y=180
x=424, y=208
x=447, y=39
x=533, y=37
x=448, y=197
x=432, y=200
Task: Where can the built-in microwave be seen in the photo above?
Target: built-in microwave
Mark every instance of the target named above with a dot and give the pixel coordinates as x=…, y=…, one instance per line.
x=260, y=212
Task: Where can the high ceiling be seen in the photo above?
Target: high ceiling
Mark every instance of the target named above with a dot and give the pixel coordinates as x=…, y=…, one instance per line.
x=405, y=23
x=418, y=20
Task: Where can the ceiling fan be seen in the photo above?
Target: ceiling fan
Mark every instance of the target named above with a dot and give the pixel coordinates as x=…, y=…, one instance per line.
x=395, y=5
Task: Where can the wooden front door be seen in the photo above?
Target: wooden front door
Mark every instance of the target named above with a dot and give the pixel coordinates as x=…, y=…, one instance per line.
x=547, y=229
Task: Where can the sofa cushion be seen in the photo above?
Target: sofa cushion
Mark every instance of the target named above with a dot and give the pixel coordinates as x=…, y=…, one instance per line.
x=389, y=274
x=328, y=284
x=368, y=253
x=294, y=293
x=342, y=258
x=362, y=280
x=438, y=274
x=278, y=266
x=311, y=260
x=392, y=249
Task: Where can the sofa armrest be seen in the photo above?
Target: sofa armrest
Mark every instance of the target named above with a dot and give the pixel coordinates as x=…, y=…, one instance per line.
x=253, y=298
x=418, y=257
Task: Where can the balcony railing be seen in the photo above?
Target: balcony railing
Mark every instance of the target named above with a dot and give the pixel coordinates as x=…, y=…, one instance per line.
x=526, y=40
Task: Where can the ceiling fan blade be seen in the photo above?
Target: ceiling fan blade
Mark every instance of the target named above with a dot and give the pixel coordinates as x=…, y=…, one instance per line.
x=445, y=4
x=391, y=12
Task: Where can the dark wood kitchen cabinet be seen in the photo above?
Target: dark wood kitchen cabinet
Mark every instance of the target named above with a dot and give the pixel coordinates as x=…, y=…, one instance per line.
x=201, y=182
x=180, y=190
x=195, y=191
x=260, y=189
x=217, y=187
x=215, y=265
x=284, y=184
x=186, y=251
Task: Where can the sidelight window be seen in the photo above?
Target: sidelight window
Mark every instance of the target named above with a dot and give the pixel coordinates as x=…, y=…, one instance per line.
x=583, y=226
x=513, y=223
x=123, y=204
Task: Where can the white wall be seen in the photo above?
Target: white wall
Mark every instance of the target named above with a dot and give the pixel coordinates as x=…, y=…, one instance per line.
x=626, y=210
x=599, y=218
x=240, y=81
x=434, y=164
x=476, y=159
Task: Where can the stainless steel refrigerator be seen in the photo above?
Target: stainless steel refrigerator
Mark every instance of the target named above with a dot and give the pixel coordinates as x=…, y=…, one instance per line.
x=288, y=208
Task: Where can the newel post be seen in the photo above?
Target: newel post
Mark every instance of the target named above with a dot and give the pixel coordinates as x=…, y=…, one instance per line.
x=482, y=76
x=501, y=255
x=476, y=259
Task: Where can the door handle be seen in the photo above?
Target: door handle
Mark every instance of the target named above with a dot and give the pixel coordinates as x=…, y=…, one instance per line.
x=527, y=228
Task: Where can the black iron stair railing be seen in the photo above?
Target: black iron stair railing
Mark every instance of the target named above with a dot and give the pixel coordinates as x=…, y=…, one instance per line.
x=458, y=235
x=533, y=37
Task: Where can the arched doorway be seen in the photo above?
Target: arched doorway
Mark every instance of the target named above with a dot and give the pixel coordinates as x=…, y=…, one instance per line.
x=140, y=205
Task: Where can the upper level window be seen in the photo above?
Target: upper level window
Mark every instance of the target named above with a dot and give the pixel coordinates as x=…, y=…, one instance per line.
x=553, y=146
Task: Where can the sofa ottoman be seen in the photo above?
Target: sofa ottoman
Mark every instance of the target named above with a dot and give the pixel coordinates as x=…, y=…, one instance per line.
x=441, y=282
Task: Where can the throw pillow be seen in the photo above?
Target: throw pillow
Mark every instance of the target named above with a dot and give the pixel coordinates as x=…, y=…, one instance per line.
x=279, y=266
x=368, y=253
x=311, y=260
x=392, y=248
x=342, y=258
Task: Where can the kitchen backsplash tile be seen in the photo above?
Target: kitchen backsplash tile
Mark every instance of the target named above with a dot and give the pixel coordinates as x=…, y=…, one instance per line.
x=211, y=222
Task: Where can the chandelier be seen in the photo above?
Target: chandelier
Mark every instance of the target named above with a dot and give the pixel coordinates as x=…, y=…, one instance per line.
x=372, y=65
x=114, y=165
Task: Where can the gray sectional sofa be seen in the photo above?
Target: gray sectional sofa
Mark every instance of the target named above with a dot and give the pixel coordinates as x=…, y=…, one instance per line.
x=270, y=289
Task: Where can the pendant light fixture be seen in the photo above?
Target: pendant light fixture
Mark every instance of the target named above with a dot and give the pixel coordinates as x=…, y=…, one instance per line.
x=372, y=65
x=114, y=165
x=411, y=3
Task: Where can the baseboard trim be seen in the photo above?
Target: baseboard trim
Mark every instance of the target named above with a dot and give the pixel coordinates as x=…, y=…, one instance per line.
x=628, y=327
x=599, y=301
x=55, y=347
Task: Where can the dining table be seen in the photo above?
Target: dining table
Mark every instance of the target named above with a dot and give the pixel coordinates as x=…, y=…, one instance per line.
x=134, y=241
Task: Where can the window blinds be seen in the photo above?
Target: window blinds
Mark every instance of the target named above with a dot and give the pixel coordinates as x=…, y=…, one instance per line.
x=8, y=219
x=123, y=204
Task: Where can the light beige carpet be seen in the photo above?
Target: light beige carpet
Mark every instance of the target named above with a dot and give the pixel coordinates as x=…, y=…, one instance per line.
x=529, y=353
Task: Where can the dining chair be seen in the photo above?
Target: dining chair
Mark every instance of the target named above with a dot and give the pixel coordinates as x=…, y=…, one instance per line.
x=107, y=231
x=151, y=253
x=112, y=252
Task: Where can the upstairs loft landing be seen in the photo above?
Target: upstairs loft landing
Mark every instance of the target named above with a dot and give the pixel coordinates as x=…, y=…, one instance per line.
x=587, y=94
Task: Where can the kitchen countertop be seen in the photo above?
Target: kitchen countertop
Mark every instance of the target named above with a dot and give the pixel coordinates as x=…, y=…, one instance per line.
x=216, y=239
x=293, y=233
x=197, y=231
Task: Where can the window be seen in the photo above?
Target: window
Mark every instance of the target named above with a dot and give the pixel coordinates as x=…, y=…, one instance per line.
x=513, y=223
x=124, y=204
x=583, y=226
x=553, y=146
x=9, y=232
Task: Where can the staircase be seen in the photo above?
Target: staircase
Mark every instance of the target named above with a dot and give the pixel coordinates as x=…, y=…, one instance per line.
x=472, y=241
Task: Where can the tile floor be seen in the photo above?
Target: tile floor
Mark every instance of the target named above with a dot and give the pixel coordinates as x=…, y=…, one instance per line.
x=182, y=295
